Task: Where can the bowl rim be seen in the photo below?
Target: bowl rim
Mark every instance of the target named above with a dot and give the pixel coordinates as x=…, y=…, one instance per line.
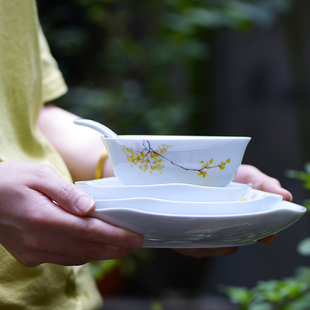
x=175, y=137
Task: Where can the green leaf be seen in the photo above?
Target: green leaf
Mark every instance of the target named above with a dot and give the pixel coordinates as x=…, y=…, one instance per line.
x=303, y=247
x=207, y=18
x=240, y=295
x=157, y=305
x=301, y=303
x=261, y=306
x=101, y=268
x=307, y=168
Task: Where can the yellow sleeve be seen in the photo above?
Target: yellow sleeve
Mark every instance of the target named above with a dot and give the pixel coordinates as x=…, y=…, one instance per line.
x=53, y=84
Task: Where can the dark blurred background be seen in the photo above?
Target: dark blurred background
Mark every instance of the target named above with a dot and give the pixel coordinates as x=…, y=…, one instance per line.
x=211, y=67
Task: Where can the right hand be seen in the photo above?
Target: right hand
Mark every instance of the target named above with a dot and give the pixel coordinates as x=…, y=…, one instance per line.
x=36, y=230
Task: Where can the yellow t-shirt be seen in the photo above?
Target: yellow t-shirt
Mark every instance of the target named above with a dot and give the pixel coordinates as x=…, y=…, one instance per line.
x=29, y=77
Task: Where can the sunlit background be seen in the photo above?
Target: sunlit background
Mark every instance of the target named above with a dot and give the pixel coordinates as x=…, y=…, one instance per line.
x=199, y=67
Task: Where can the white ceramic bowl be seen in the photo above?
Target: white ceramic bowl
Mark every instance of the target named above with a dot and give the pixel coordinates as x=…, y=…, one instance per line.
x=207, y=161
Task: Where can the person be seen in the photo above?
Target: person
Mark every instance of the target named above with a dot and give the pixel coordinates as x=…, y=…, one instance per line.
x=46, y=237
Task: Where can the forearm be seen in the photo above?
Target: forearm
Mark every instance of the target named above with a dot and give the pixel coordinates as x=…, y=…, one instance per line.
x=80, y=147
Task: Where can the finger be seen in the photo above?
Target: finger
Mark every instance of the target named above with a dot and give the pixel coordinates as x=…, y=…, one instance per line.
x=33, y=259
x=200, y=253
x=226, y=251
x=54, y=220
x=64, y=193
x=92, y=229
x=274, y=186
x=268, y=240
x=35, y=248
x=70, y=246
x=74, y=247
x=261, y=181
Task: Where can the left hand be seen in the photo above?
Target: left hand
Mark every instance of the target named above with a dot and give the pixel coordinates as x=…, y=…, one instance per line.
x=260, y=181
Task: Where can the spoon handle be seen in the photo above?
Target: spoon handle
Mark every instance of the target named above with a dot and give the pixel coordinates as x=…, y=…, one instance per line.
x=107, y=132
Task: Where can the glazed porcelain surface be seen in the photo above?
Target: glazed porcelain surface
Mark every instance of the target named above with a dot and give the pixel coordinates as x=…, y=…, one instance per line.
x=112, y=188
x=206, y=161
x=192, y=220
x=168, y=224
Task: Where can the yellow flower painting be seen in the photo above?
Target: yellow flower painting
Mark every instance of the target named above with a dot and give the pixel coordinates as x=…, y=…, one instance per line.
x=150, y=160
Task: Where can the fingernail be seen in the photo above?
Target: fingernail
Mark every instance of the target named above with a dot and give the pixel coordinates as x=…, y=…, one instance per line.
x=84, y=204
x=291, y=197
x=136, y=242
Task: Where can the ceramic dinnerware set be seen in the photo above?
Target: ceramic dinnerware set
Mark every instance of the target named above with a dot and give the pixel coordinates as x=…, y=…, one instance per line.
x=177, y=191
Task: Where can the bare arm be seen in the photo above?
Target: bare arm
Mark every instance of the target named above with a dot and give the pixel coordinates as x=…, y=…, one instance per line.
x=80, y=147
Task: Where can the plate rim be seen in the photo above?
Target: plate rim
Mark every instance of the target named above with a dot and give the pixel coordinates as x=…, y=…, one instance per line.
x=298, y=209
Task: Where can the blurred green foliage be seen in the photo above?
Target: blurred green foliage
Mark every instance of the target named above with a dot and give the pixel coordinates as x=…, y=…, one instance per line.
x=303, y=176
x=145, y=66
x=303, y=247
x=287, y=294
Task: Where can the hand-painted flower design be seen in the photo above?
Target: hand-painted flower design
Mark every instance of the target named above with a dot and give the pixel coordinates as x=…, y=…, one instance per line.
x=149, y=159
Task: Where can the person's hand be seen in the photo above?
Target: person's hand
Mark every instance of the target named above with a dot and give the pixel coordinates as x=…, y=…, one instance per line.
x=263, y=182
x=260, y=181
x=43, y=220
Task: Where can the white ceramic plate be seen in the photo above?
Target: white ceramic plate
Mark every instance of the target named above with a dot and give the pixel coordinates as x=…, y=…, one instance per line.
x=175, y=224
x=112, y=188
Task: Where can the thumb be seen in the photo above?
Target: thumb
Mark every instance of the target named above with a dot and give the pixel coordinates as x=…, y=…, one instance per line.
x=67, y=195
